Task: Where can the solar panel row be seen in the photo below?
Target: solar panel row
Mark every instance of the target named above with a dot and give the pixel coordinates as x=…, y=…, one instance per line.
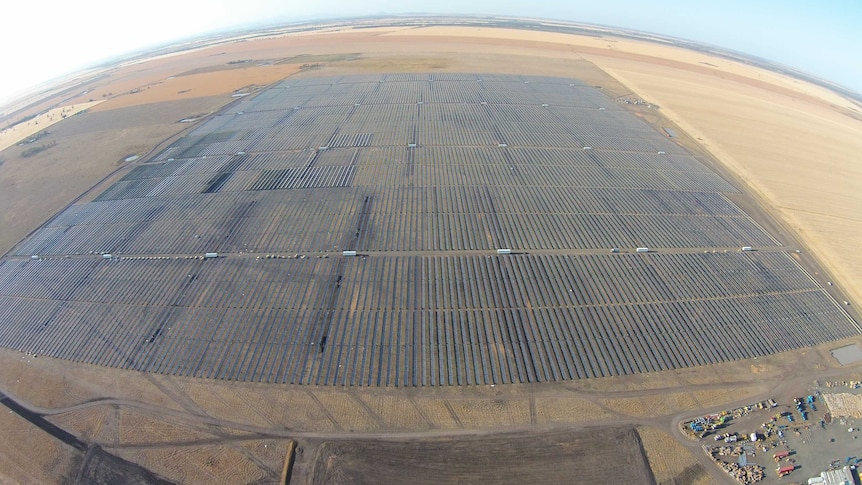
x=425, y=176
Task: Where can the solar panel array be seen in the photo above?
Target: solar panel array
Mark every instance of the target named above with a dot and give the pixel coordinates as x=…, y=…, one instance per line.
x=425, y=176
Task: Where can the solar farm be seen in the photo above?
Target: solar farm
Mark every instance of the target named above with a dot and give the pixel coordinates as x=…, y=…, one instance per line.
x=354, y=225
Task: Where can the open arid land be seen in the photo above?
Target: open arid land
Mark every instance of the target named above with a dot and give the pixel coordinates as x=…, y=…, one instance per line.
x=425, y=146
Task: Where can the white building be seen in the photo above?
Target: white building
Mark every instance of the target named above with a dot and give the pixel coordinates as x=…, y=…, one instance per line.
x=842, y=476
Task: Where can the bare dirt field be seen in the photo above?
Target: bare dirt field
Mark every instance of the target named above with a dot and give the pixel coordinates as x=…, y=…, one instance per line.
x=792, y=143
x=615, y=455
x=209, y=463
x=21, y=441
x=100, y=467
x=206, y=421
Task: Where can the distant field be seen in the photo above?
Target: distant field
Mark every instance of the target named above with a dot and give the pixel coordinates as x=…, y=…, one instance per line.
x=20, y=131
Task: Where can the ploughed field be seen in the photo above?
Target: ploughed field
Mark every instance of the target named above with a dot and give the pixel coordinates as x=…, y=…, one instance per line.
x=612, y=455
x=425, y=177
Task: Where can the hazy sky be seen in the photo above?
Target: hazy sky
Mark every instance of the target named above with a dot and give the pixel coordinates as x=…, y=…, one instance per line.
x=40, y=40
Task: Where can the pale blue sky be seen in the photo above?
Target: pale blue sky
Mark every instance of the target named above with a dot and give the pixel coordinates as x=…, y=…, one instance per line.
x=44, y=39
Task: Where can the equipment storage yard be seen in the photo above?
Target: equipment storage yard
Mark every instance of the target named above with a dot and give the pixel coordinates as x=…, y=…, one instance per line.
x=802, y=435
x=425, y=177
